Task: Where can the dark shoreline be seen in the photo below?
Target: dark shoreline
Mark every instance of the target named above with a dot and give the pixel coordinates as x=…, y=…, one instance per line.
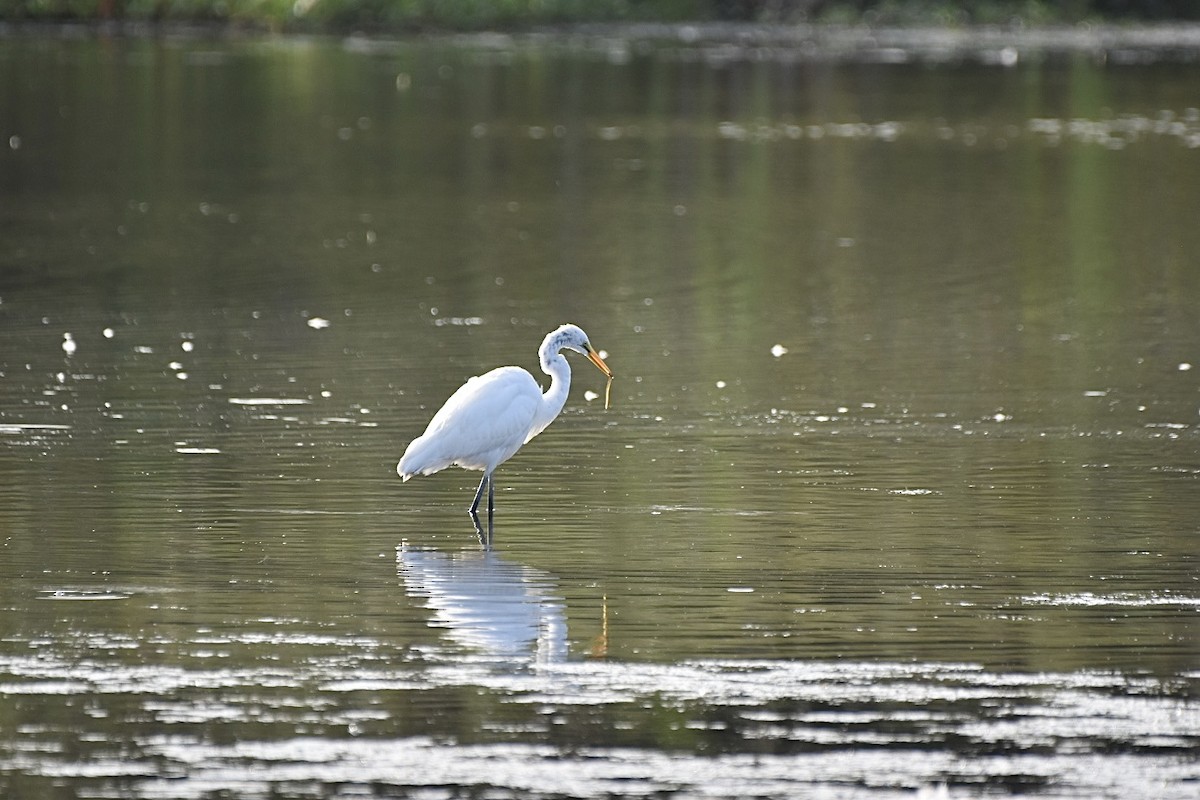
x=1176, y=42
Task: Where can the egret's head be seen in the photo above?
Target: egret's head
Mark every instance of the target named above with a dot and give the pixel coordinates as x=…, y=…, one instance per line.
x=572, y=337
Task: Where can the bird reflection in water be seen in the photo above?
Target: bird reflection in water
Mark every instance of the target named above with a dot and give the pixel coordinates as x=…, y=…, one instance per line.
x=487, y=534
x=487, y=603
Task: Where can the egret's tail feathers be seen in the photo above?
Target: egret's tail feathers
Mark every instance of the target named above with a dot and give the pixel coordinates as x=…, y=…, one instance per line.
x=418, y=461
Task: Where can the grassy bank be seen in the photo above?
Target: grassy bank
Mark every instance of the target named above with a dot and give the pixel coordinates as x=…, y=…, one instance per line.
x=476, y=14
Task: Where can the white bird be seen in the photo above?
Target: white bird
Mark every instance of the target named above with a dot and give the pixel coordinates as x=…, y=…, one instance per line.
x=486, y=421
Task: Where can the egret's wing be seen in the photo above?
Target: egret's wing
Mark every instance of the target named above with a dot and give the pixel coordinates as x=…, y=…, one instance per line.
x=480, y=426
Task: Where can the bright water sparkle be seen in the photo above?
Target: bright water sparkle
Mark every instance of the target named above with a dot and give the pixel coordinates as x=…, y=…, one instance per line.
x=897, y=496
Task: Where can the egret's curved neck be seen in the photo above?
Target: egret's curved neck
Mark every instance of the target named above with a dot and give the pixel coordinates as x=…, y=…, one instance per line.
x=555, y=365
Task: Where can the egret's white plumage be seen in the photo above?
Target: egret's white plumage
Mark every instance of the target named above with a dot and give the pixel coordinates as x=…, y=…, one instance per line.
x=487, y=420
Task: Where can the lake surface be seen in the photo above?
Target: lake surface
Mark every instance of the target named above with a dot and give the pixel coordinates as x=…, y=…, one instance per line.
x=899, y=494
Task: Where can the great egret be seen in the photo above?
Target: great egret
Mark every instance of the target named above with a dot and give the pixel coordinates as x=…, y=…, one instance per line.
x=487, y=420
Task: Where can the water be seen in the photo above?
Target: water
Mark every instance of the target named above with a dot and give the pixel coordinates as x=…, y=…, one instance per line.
x=897, y=496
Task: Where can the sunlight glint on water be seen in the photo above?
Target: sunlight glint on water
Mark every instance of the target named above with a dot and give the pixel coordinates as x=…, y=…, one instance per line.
x=896, y=496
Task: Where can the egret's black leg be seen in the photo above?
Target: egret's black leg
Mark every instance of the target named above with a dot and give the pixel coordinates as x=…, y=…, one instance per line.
x=487, y=480
x=485, y=538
